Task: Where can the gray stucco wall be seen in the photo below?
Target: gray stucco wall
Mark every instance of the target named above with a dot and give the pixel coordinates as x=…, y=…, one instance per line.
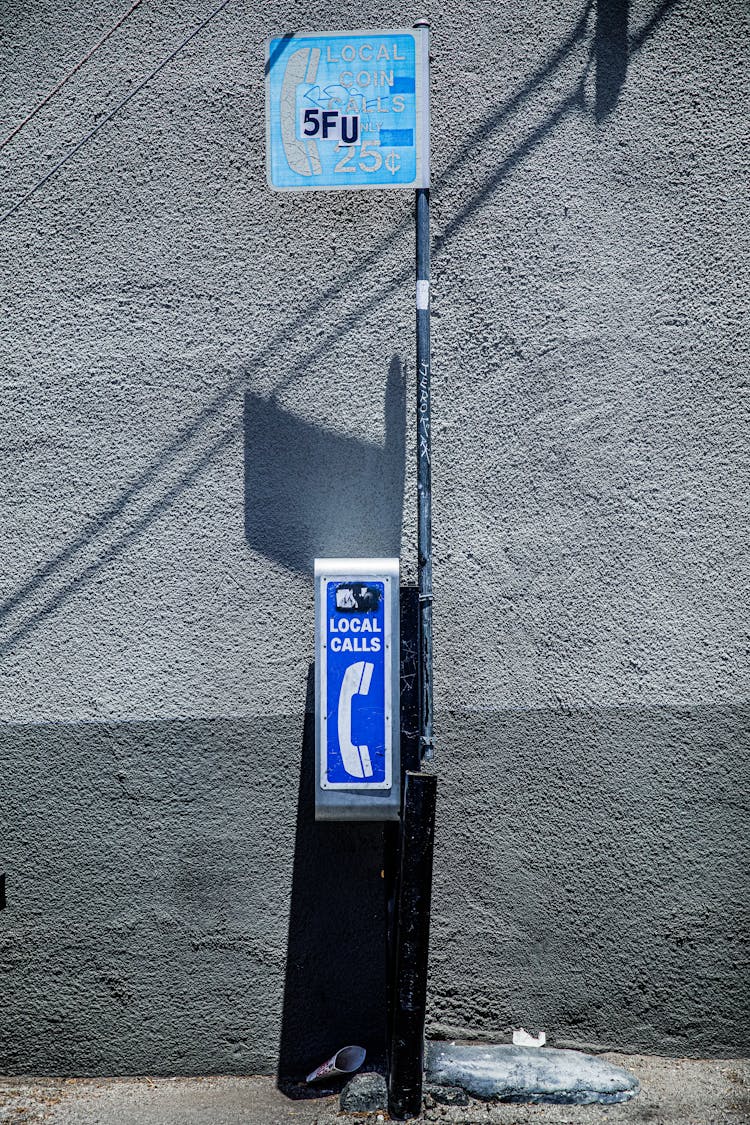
x=190, y=363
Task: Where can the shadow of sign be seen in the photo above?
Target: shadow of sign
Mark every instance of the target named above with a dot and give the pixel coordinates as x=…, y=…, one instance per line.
x=311, y=492
x=611, y=52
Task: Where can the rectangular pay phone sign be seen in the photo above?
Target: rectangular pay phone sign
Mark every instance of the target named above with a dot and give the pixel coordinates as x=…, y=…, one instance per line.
x=357, y=689
x=347, y=110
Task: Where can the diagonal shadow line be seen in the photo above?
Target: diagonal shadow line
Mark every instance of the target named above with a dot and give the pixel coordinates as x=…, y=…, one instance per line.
x=115, y=549
x=486, y=128
x=300, y=322
x=108, y=514
x=571, y=101
x=284, y=37
x=638, y=40
x=109, y=116
x=477, y=138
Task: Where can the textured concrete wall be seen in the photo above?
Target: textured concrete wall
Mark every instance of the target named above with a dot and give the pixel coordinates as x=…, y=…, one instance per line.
x=190, y=363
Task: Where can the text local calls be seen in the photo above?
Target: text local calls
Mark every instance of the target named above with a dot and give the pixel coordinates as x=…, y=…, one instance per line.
x=357, y=643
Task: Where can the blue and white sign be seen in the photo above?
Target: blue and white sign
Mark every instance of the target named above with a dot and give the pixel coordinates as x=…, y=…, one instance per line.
x=348, y=110
x=357, y=687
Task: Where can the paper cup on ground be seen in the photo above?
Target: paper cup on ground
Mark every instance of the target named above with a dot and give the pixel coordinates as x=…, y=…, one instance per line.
x=345, y=1061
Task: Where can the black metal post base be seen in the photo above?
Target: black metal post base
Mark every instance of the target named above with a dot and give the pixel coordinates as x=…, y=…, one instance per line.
x=411, y=944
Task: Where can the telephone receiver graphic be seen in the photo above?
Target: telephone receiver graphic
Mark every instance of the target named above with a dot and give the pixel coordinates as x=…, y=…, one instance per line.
x=302, y=155
x=356, y=681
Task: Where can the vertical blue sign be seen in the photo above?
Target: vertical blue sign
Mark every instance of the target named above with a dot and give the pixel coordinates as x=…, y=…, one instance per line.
x=357, y=690
x=347, y=110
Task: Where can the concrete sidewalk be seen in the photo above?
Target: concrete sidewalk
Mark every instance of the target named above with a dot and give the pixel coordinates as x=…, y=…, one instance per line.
x=673, y=1092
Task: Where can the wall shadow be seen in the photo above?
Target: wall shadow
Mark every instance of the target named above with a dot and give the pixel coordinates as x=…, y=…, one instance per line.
x=591, y=878
x=611, y=53
x=335, y=979
x=313, y=492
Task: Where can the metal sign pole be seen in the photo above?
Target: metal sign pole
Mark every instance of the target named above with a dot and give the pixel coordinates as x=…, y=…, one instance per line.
x=424, y=475
x=414, y=883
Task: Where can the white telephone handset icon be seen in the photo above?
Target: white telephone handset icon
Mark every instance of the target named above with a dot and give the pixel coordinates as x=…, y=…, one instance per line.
x=356, y=681
x=302, y=155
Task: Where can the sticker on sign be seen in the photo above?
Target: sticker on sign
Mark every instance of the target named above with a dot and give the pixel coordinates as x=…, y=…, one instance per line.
x=348, y=110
